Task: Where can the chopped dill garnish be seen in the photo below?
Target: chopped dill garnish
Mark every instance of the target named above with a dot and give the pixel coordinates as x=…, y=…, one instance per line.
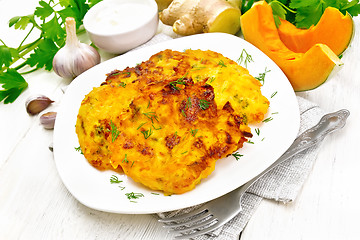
x=114, y=132
x=78, y=149
x=114, y=179
x=275, y=113
x=261, y=77
x=147, y=133
x=244, y=59
x=194, y=132
x=179, y=81
x=211, y=79
x=122, y=84
x=141, y=125
x=221, y=63
x=125, y=159
x=133, y=195
x=257, y=131
x=184, y=152
x=156, y=128
x=183, y=112
x=195, y=67
x=188, y=103
x=151, y=116
x=273, y=95
x=249, y=141
x=268, y=119
x=132, y=164
x=153, y=193
x=237, y=155
x=203, y=104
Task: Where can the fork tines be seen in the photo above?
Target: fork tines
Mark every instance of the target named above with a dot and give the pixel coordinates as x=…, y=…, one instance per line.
x=195, y=223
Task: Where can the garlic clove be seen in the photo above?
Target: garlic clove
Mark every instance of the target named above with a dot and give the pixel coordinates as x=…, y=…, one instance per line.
x=75, y=57
x=37, y=103
x=48, y=120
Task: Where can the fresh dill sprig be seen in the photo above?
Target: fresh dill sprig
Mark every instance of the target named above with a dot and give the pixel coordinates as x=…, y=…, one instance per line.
x=179, y=81
x=273, y=95
x=261, y=77
x=114, y=179
x=194, y=132
x=151, y=116
x=133, y=195
x=237, y=155
x=114, y=132
x=78, y=149
x=203, y=104
x=122, y=84
x=245, y=58
x=221, y=63
x=147, y=133
x=142, y=124
x=268, y=119
x=125, y=159
x=188, y=103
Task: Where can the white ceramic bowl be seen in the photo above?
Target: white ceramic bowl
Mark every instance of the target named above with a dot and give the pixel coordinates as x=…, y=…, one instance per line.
x=117, y=26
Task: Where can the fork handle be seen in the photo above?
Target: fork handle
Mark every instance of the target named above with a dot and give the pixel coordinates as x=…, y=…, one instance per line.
x=327, y=124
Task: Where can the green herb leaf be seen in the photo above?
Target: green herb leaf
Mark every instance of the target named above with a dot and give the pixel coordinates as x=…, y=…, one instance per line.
x=43, y=55
x=13, y=85
x=53, y=31
x=6, y=55
x=21, y=22
x=44, y=11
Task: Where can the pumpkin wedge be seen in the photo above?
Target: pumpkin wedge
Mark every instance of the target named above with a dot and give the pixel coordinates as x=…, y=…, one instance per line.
x=305, y=71
x=333, y=29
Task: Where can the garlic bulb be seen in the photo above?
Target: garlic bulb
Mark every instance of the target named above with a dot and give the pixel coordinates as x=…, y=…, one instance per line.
x=75, y=57
x=37, y=103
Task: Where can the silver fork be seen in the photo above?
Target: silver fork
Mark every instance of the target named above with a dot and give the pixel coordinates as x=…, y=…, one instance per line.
x=217, y=212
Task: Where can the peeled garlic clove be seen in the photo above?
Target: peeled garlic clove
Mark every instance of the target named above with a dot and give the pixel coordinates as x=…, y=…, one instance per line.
x=36, y=104
x=75, y=57
x=48, y=120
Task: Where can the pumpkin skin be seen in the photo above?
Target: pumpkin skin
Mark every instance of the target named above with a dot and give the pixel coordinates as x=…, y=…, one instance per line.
x=333, y=29
x=305, y=71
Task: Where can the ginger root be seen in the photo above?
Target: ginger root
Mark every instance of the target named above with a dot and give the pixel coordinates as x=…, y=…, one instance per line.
x=197, y=16
x=162, y=4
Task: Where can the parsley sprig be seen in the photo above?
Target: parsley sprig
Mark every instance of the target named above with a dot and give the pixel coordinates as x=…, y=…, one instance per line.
x=48, y=19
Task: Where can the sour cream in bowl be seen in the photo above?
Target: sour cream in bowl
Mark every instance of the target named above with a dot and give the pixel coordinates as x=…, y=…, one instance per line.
x=117, y=26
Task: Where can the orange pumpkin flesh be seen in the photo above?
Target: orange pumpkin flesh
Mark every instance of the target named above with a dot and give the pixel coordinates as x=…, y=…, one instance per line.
x=305, y=71
x=334, y=29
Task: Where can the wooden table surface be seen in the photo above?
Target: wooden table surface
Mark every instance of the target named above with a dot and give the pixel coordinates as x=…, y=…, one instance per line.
x=34, y=203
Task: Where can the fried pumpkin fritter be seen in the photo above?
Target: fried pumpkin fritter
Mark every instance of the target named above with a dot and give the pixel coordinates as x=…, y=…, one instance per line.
x=166, y=122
